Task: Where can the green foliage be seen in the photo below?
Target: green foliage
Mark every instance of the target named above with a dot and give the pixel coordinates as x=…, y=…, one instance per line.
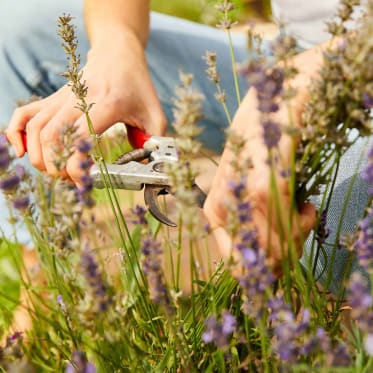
x=9, y=282
x=104, y=298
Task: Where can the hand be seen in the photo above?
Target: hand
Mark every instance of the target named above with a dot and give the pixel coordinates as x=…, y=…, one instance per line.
x=120, y=87
x=272, y=223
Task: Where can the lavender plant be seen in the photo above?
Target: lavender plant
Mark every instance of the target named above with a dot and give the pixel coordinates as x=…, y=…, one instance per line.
x=334, y=123
x=83, y=316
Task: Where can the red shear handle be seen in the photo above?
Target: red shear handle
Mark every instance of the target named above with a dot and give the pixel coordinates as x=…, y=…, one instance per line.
x=136, y=137
x=24, y=140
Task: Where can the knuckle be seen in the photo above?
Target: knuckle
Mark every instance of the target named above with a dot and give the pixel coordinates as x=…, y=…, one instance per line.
x=46, y=135
x=18, y=116
x=33, y=125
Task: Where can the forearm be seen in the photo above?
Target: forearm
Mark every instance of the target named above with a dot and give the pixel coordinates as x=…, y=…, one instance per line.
x=116, y=19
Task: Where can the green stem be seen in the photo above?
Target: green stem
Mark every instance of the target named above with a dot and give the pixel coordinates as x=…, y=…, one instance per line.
x=233, y=59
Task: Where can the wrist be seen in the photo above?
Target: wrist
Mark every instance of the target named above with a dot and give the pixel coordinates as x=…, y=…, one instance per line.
x=116, y=35
x=125, y=42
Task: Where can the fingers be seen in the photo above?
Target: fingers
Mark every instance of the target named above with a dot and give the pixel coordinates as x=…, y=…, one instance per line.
x=17, y=125
x=101, y=119
x=155, y=120
x=33, y=129
x=50, y=139
x=74, y=169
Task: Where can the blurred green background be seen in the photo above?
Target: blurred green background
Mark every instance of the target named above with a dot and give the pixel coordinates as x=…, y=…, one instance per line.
x=203, y=11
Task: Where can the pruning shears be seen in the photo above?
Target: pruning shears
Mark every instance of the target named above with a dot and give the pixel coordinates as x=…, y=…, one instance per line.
x=144, y=167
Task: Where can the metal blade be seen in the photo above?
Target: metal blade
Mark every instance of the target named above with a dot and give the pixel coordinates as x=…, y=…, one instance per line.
x=151, y=193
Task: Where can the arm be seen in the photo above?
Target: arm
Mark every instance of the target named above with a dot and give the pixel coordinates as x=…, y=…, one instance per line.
x=106, y=18
x=118, y=81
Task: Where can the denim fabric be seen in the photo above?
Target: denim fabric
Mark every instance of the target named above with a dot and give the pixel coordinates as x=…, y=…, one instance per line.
x=347, y=206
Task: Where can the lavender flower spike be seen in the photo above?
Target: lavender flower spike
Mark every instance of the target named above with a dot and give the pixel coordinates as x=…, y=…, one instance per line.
x=95, y=281
x=152, y=267
x=4, y=154
x=219, y=332
x=79, y=364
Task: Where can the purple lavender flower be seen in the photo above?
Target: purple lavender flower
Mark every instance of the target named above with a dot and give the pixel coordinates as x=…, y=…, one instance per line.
x=277, y=305
x=229, y=323
x=86, y=164
x=258, y=276
x=367, y=100
x=340, y=355
x=268, y=84
x=207, y=228
x=256, y=279
x=10, y=183
x=212, y=330
x=14, y=337
x=84, y=192
x=269, y=87
x=319, y=342
x=288, y=332
x=293, y=338
x=20, y=171
x=4, y=159
x=237, y=188
x=87, y=182
x=219, y=332
x=271, y=133
x=243, y=208
x=95, y=281
x=152, y=267
x=361, y=302
x=80, y=364
x=84, y=146
x=248, y=239
x=244, y=212
x=21, y=202
x=139, y=213
x=322, y=232
x=3, y=141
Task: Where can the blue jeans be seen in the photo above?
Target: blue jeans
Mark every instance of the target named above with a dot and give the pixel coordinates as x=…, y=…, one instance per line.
x=32, y=59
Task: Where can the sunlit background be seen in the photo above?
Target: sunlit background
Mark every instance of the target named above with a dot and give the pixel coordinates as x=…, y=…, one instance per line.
x=203, y=10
